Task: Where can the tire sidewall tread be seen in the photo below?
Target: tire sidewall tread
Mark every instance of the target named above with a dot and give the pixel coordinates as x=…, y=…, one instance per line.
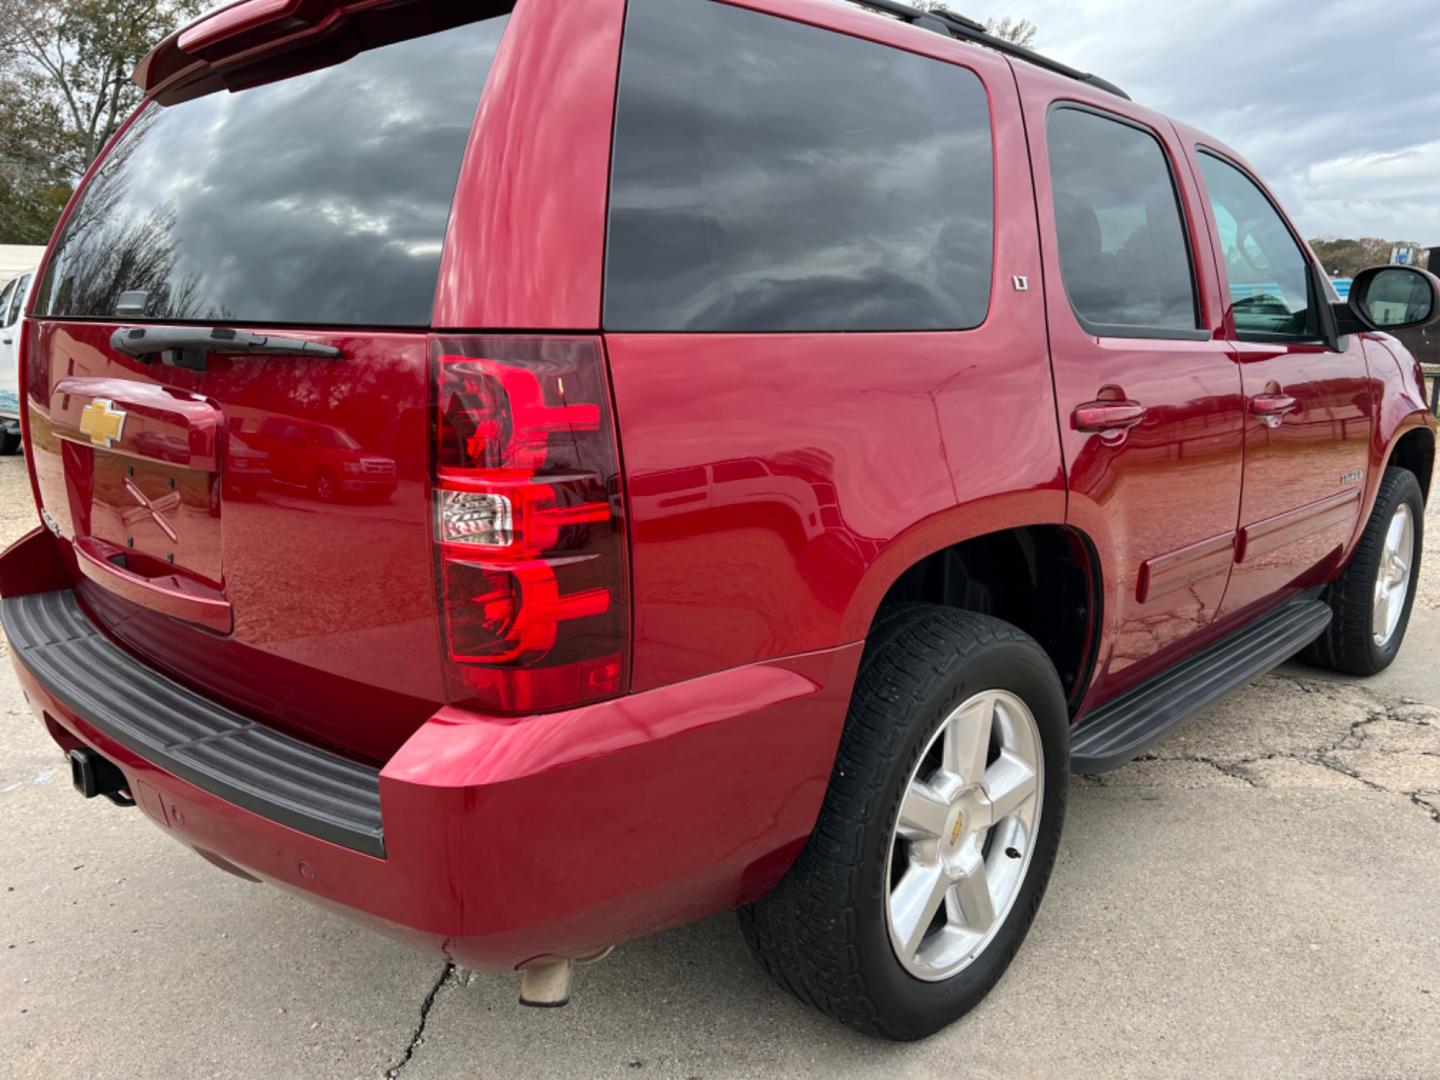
x=1348, y=644
x=821, y=933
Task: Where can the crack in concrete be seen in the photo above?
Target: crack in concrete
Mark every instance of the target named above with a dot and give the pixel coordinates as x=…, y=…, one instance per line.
x=1355, y=738
x=1433, y=809
x=447, y=976
x=1234, y=769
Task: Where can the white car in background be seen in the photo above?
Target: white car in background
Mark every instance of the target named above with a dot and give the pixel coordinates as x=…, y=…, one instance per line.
x=13, y=302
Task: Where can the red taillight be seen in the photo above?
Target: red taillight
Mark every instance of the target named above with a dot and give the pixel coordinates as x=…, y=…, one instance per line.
x=532, y=579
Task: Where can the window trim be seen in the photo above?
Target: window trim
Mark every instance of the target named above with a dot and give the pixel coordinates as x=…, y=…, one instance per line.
x=1112, y=330
x=1320, y=305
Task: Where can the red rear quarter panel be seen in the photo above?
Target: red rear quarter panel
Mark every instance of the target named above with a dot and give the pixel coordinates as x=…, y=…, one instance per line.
x=779, y=483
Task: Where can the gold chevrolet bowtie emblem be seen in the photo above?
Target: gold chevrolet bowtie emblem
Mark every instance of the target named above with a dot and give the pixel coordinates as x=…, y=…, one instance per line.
x=956, y=832
x=103, y=422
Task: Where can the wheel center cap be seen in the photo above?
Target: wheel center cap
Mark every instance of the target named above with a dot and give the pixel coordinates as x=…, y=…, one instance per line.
x=969, y=814
x=958, y=829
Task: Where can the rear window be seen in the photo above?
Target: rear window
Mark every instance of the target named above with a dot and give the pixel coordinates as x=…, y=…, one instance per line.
x=322, y=199
x=772, y=176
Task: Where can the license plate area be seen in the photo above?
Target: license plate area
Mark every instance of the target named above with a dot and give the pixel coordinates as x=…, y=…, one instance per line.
x=163, y=518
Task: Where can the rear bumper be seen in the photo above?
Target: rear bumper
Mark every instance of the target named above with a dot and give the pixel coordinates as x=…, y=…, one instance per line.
x=504, y=841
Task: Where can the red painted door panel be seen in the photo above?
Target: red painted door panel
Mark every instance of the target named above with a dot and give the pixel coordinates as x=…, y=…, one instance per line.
x=1160, y=503
x=1308, y=414
x=1305, y=467
x=1157, y=492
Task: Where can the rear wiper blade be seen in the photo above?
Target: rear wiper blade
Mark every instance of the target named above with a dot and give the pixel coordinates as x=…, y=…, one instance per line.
x=188, y=346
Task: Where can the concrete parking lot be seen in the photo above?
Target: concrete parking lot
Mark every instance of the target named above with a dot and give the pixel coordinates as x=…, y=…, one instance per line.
x=1258, y=898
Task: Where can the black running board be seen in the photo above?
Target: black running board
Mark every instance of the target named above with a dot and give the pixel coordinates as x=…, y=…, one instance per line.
x=1123, y=729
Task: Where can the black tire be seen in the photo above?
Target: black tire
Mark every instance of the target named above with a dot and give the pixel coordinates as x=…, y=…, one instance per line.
x=1348, y=644
x=822, y=932
x=9, y=442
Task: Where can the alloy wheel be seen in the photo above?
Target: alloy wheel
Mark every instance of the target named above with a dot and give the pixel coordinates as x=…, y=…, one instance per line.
x=1392, y=580
x=964, y=835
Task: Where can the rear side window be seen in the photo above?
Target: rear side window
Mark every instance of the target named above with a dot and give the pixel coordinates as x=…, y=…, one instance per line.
x=1123, y=252
x=320, y=199
x=772, y=176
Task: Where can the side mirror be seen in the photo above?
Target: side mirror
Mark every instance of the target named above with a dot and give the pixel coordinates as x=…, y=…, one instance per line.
x=1394, y=298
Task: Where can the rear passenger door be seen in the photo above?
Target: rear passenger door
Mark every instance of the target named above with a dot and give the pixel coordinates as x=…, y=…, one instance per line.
x=1308, y=404
x=1148, y=390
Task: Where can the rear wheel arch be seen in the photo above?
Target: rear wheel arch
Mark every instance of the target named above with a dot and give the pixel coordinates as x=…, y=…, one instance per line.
x=1045, y=580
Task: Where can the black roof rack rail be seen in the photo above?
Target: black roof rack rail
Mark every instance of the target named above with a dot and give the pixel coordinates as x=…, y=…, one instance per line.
x=957, y=26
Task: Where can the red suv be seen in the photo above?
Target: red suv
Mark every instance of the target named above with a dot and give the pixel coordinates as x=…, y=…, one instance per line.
x=812, y=435
x=321, y=459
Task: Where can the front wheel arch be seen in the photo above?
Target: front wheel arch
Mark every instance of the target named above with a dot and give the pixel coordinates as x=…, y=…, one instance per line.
x=1414, y=451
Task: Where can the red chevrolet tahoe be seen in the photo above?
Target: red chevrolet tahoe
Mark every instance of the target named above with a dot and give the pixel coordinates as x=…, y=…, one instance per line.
x=807, y=432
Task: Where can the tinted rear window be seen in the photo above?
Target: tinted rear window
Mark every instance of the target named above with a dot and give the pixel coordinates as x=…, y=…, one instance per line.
x=772, y=176
x=322, y=199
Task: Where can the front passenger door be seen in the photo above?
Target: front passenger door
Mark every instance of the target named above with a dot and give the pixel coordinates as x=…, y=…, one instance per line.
x=1308, y=412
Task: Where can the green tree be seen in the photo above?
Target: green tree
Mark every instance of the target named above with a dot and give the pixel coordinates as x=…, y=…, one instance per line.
x=1345, y=257
x=34, y=186
x=65, y=88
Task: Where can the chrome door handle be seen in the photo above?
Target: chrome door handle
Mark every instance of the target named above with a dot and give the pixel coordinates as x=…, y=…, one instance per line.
x=1272, y=408
x=1108, y=419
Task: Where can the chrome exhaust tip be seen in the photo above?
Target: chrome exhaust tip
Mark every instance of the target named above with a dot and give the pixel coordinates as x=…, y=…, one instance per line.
x=547, y=984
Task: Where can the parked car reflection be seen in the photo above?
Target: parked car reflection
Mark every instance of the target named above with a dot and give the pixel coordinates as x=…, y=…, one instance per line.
x=247, y=469
x=792, y=496
x=303, y=456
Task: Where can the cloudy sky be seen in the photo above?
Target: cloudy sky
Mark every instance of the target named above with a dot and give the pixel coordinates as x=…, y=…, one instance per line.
x=1335, y=102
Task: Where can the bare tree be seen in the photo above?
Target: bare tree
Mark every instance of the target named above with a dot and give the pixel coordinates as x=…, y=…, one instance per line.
x=82, y=53
x=65, y=87
x=1015, y=31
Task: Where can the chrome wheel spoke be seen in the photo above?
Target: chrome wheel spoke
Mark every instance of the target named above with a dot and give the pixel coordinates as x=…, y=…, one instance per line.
x=922, y=813
x=1392, y=577
x=972, y=896
x=1009, y=783
x=967, y=739
x=913, y=905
